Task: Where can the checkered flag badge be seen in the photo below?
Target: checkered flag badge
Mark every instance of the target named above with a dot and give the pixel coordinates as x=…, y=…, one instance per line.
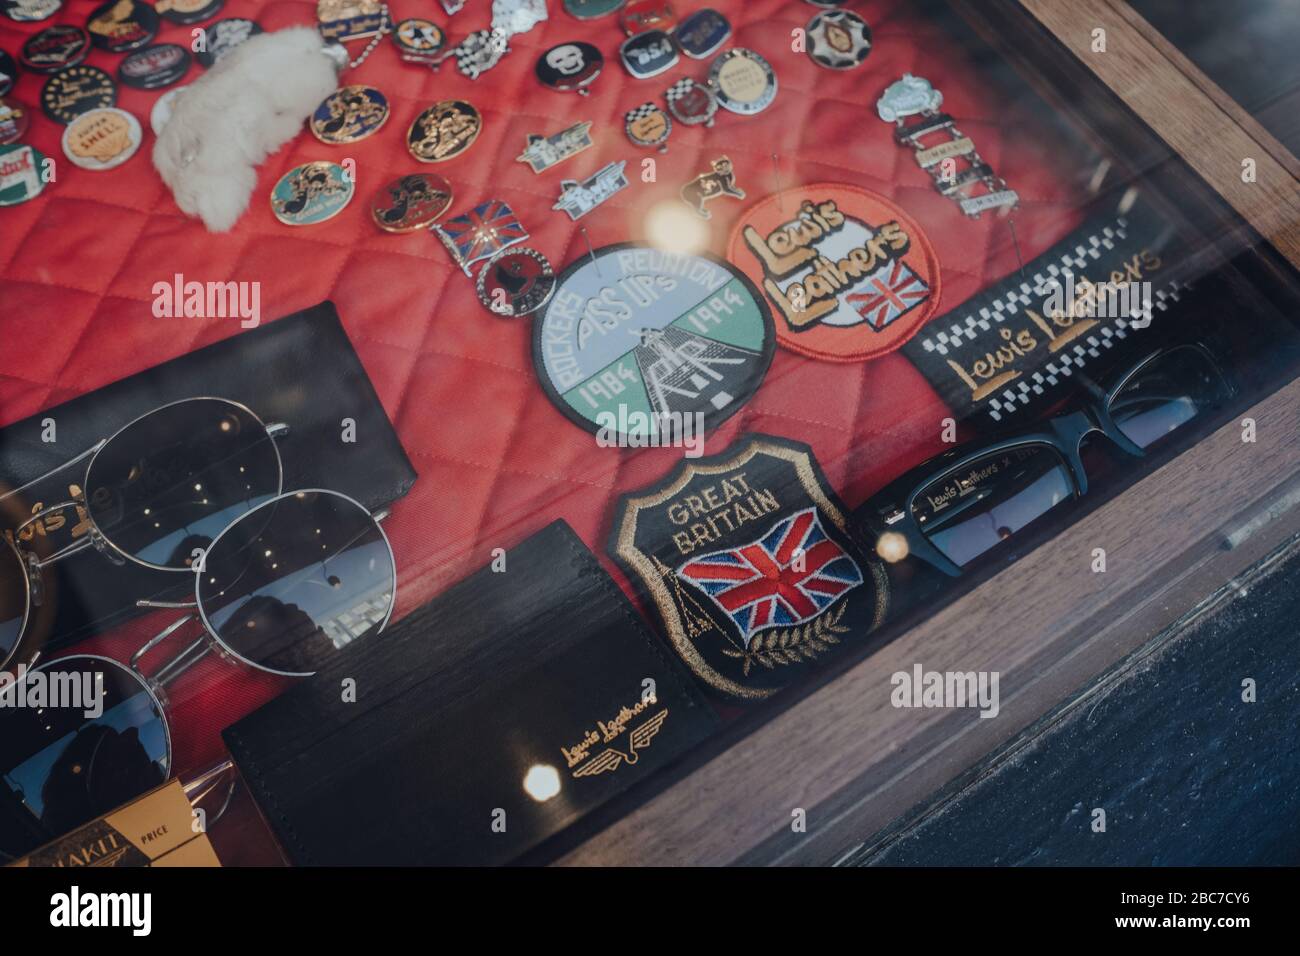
x=679, y=89
x=641, y=112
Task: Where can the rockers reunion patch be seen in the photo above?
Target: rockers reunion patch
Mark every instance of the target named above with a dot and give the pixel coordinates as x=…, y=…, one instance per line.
x=635, y=337
x=748, y=559
x=850, y=274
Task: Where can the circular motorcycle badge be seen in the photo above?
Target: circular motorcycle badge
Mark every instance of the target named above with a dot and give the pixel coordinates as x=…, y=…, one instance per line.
x=838, y=40
x=850, y=274
x=648, y=126
x=55, y=48
x=516, y=282
x=635, y=338
x=311, y=193
x=692, y=102
x=32, y=11
x=444, y=131
x=155, y=67
x=411, y=202
x=223, y=37
x=418, y=40
x=187, y=12
x=570, y=67
x=14, y=120
x=120, y=26
x=76, y=90
x=102, y=139
x=22, y=174
x=349, y=114
x=743, y=81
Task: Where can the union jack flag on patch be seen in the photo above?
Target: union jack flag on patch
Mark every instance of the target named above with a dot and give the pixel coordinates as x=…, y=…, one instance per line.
x=788, y=576
x=481, y=233
x=890, y=292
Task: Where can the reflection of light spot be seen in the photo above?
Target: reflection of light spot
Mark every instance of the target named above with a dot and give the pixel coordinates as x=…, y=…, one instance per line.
x=542, y=782
x=891, y=546
x=672, y=226
x=198, y=487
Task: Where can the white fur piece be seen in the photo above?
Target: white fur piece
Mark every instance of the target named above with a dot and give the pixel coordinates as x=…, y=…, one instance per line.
x=252, y=102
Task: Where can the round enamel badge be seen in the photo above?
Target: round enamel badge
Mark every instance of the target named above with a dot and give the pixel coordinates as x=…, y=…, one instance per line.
x=418, y=40
x=349, y=114
x=311, y=193
x=850, y=274
x=186, y=12
x=76, y=90
x=54, y=48
x=838, y=40
x=223, y=37
x=516, y=282
x=155, y=66
x=14, y=119
x=743, y=81
x=635, y=339
x=102, y=139
x=21, y=174
x=120, y=26
x=444, y=131
x=32, y=11
x=411, y=202
x=8, y=72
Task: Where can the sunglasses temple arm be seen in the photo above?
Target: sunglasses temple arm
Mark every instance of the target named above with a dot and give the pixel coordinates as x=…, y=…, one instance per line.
x=54, y=471
x=198, y=789
x=179, y=664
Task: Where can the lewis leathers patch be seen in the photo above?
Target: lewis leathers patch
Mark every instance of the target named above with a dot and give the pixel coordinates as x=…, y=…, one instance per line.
x=851, y=275
x=750, y=563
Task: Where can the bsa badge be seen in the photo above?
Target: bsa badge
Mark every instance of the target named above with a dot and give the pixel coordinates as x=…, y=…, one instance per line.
x=692, y=102
x=852, y=276
x=21, y=178
x=648, y=126
x=570, y=67
x=349, y=114
x=543, y=152
x=648, y=54
x=702, y=33
x=8, y=72
x=591, y=9
x=155, y=66
x=162, y=110
x=55, y=48
x=418, y=40
x=14, y=120
x=410, y=203
x=720, y=181
x=637, y=342
x=120, y=26
x=580, y=198
x=71, y=92
x=444, y=131
x=643, y=15
x=102, y=139
x=188, y=12
x=222, y=38
x=750, y=562
x=32, y=11
x=342, y=20
x=516, y=282
x=481, y=233
x=743, y=81
x=838, y=40
x=311, y=193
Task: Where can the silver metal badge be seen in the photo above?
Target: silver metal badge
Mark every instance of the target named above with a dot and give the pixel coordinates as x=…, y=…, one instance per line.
x=580, y=198
x=517, y=16
x=908, y=97
x=543, y=152
x=692, y=103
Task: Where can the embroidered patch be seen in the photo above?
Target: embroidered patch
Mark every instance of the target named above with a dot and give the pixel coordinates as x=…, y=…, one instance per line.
x=633, y=334
x=852, y=276
x=1011, y=352
x=748, y=559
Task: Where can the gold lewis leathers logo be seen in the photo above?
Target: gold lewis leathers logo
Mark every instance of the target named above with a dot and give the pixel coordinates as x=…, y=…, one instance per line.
x=578, y=757
x=1064, y=318
x=793, y=246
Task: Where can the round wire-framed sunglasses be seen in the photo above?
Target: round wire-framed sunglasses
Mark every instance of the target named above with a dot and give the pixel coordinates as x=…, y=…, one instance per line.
x=155, y=493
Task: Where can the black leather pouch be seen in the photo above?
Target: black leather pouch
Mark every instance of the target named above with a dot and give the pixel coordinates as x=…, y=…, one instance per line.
x=300, y=370
x=483, y=723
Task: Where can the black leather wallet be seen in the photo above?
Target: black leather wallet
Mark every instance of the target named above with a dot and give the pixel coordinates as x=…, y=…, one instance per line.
x=300, y=370
x=483, y=723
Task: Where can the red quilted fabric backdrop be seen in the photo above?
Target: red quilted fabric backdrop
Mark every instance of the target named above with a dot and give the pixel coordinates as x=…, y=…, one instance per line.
x=496, y=459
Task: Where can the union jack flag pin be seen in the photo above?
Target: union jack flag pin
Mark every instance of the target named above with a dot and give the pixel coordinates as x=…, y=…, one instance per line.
x=480, y=233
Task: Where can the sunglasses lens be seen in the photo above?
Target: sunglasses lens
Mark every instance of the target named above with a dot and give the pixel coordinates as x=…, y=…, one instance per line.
x=1165, y=394
x=966, y=513
x=170, y=482
x=66, y=768
x=13, y=600
x=290, y=584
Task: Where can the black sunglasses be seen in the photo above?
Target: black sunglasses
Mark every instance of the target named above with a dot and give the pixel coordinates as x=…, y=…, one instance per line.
x=959, y=506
